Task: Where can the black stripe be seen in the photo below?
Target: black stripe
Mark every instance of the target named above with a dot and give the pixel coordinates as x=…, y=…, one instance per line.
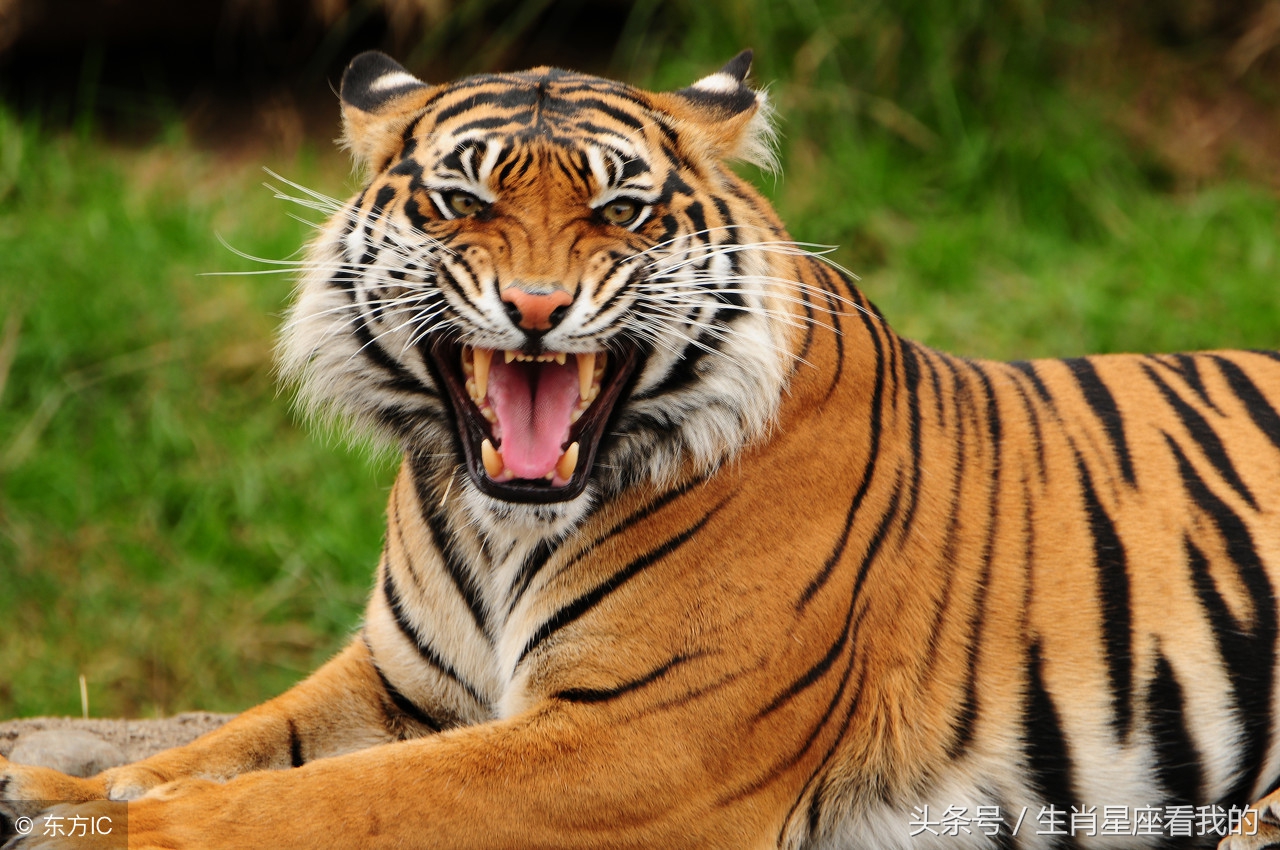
x=1177, y=760
x=445, y=544
x=403, y=704
x=417, y=218
x=466, y=585
x=966, y=714
x=817, y=779
x=1046, y=747
x=868, y=472
x=447, y=547
x=684, y=373
x=1028, y=368
x=505, y=97
x=1254, y=663
x=833, y=278
x=510, y=122
x=399, y=379
x=295, y=746
x=814, y=673
x=1204, y=435
x=1273, y=355
x=632, y=519
x=779, y=769
x=818, y=670
x=1113, y=601
x=1037, y=432
x=1260, y=410
x=424, y=647
x=960, y=442
x=584, y=603
x=1103, y=404
x=520, y=159
x=696, y=217
x=533, y=564
x=597, y=695
x=407, y=167
x=575, y=107
x=1188, y=368
x=911, y=374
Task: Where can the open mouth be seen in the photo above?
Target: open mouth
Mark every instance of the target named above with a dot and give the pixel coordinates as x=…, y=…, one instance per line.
x=530, y=425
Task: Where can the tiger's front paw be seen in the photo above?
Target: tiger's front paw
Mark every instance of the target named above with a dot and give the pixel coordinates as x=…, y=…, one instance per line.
x=132, y=781
x=173, y=816
x=26, y=790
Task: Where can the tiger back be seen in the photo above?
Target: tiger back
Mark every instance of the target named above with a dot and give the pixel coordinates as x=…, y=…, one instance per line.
x=690, y=549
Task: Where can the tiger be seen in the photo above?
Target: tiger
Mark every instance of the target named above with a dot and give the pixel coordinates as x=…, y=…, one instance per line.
x=689, y=549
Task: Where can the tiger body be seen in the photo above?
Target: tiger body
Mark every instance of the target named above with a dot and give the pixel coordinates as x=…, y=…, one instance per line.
x=799, y=579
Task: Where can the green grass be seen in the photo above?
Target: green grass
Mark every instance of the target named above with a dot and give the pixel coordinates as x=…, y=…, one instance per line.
x=169, y=531
x=165, y=528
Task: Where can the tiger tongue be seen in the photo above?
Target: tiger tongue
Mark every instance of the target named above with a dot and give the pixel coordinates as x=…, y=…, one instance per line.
x=533, y=402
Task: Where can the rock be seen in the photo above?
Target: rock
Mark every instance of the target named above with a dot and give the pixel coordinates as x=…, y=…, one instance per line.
x=135, y=739
x=70, y=751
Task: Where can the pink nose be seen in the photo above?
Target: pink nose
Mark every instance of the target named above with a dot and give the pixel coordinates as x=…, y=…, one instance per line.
x=535, y=308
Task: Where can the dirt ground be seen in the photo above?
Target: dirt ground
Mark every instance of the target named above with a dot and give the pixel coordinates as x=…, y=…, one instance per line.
x=68, y=739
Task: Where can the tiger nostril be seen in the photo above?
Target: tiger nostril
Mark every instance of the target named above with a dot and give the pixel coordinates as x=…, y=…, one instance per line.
x=536, y=311
x=513, y=312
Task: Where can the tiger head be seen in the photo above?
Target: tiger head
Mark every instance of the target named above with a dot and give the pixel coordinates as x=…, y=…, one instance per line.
x=550, y=279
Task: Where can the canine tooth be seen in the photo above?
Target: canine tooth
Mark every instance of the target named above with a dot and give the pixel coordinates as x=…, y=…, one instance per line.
x=467, y=368
x=483, y=357
x=568, y=462
x=492, y=459
x=586, y=373
x=508, y=355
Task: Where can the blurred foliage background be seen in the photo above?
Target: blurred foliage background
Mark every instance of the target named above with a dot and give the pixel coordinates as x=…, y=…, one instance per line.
x=1011, y=178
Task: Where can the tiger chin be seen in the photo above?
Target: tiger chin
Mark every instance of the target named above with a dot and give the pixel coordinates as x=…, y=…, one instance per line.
x=690, y=549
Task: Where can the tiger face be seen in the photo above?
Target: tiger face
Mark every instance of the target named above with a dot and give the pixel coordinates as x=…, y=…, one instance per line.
x=551, y=280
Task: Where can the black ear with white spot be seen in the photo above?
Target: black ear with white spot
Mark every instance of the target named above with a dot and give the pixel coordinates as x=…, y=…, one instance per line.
x=379, y=99
x=725, y=89
x=725, y=114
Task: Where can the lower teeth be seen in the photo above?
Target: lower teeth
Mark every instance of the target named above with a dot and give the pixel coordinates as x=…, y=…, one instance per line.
x=496, y=468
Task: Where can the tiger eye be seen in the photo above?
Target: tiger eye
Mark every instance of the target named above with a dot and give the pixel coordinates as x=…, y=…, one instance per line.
x=463, y=203
x=620, y=212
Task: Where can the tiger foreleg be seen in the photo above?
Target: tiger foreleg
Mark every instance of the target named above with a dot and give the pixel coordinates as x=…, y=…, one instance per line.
x=558, y=776
x=1260, y=829
x=339, y=708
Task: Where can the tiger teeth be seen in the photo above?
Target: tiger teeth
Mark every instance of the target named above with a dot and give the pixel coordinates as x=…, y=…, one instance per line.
x=493, y=463
x=511, y=354
x=586, y=373
x=483, y=357
x=568, y=462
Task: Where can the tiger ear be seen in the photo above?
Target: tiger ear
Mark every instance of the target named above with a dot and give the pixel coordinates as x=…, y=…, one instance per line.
x=726, y=115
x=379, y=99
